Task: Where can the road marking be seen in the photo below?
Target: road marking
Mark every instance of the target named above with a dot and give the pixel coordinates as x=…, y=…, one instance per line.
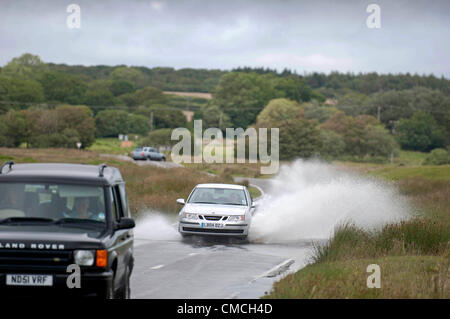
x=157, y=267
x=277, y=270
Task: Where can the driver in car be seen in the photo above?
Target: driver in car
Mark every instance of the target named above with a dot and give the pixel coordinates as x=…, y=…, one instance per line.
x=235, y=199
x=81, y=210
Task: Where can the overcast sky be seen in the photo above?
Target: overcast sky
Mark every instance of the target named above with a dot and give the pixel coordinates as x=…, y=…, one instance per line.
x=304, y=36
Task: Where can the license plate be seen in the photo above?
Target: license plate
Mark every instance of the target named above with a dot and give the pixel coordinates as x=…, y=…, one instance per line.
x=212, y=225
x=29, y=280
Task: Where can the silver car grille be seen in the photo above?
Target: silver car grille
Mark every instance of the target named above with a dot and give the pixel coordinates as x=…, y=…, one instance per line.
x=213, y=217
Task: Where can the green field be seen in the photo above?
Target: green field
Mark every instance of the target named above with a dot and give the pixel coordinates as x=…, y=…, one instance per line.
x=109, y=146
x=397, y=173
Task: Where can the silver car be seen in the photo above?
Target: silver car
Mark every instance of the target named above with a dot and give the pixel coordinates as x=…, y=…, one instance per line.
x=216, y=209
x=147, y=153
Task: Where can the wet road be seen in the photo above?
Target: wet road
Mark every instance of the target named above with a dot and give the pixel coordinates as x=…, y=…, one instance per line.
x=200, y=267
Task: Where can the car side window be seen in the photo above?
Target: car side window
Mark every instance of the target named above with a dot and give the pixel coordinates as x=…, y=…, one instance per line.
x=118, y=202
x=114, y=209
x=249, y=197
x=123, y=195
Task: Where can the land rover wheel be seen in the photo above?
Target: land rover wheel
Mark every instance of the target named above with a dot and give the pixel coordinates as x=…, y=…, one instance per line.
x=124, y=291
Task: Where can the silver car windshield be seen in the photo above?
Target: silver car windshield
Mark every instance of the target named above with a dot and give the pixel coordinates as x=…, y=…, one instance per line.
x=53, y=202
x=222, y=196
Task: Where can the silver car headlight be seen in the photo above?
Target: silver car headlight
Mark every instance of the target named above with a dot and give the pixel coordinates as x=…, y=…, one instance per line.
x=190, y=216
x=236, y=218
x=84, y=257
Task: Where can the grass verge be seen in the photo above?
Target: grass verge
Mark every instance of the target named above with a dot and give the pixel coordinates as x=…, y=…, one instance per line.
x=401, y=277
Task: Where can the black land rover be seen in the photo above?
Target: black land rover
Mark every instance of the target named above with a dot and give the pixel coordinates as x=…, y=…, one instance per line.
x=64, y=228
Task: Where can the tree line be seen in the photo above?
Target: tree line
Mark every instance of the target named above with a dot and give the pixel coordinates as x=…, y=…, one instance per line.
x=335, y=115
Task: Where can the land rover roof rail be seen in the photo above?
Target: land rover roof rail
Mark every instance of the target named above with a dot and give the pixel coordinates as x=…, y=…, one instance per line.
x=101, y=168
x=9, y=163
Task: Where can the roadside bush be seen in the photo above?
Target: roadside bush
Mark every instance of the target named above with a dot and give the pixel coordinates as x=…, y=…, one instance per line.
x=78, y=118
x=68, y=138
x=438, y=156
x=363, y=135
x=61, y=127
x=421, y=132
x=137, y=124
x=111, y=123
x=14, y=129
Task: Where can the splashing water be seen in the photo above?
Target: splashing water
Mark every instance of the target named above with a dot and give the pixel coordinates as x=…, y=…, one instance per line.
x=155, y=226
x=308, y=199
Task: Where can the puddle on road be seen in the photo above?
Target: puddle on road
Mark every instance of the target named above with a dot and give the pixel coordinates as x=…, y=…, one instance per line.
x=155, y=226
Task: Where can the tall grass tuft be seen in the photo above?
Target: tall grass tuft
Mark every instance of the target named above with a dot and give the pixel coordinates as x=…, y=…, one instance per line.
x=419, y=236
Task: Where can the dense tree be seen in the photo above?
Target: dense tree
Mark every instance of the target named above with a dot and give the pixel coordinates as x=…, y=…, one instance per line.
x=163, y=116
x=20, y=92
x=63, y=87
x=332, y=144
x=147, y=96
x=119, y=87
x=363, y=135
x=213, y=116
x=100, y=97
x=394, y=105
x=316, y=111
x=353, y=103
x=3, y=131
x=297, y=137
x=137, y=124
x=111, y=123
x=279, y=110
x=26, y=66
x=378, y=141
x=130, y=74
x=242, y=96
x=80, y=119
x=295, y=89
x=14, y=129
x=420, y=133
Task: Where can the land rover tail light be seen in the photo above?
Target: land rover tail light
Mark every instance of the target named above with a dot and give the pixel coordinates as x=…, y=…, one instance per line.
x=102, y=258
